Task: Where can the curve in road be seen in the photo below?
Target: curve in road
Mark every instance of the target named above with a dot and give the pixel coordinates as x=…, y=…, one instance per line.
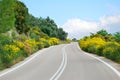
x=62, y=62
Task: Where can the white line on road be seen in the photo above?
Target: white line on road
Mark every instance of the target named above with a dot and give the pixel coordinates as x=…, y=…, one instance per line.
x=112, y=68
x=62, y=66
x=25, y=62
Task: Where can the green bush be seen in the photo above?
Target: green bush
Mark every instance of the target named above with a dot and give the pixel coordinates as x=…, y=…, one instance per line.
x=91, y=48
x=21, y=37
x=40, y=45
x=45, y=42
x=5, y=40
x=112, y=51
x=100, y=50
x=33, y=35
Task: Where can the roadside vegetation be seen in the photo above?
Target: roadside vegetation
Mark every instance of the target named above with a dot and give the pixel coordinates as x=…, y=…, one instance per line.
x=102, y=43
x=22, y=34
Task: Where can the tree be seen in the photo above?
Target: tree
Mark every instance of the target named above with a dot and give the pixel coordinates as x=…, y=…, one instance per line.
x=62, y=35
x=34, y=21
x=74, y=39
x=46, y=30
x=22, y=18
x=7, y=18
x=102, y=32
x=117, y=36
x=48, y=26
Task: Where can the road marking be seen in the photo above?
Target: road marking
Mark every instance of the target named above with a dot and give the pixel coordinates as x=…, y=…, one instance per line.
x=111, y=67
x=14, y=68
x=62, y=66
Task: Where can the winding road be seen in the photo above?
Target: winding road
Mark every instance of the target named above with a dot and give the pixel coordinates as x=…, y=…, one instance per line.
x=62, y=62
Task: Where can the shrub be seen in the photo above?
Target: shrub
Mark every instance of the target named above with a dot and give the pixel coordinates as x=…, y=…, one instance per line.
x=54, y=41
x=17, y=48
x=21, y=37
x=44, y=42
x=1, y=65
x=10, y=53
x=5, y=40
x=112, y=51
x=31, y=46
x=40, y=45
x=12, y=49
x=92, y=48
x=92, y=45
x=68, y=40
x=100, y=47
x=34, y=35
x=22, y=47
x=19, y=44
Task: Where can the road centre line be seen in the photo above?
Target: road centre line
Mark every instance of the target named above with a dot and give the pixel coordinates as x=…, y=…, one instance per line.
x=62, y=66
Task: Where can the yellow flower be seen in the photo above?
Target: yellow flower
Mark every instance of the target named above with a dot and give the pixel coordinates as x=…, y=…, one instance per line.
x=42, y=39
x=98, y=42
x=108, y=49
x=19, y=44
x=54, y=41
x=31, y=42
x=12, y=48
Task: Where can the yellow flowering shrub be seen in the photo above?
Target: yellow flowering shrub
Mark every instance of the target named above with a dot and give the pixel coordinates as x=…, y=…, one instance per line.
x=19, y=44
x=92, y=44
x=44, y=42
x=30, y=46
x=12, y=48
x=36, y=31
x=98, y=46
x=42, y=39
x=10, y=53
x=32, y=42
x=41, y=45
x=54, y=41
x=113, y=43
x=68, y=40
x=112, y=51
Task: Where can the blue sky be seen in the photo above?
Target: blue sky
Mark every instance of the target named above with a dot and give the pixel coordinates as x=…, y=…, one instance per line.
x=68, y=11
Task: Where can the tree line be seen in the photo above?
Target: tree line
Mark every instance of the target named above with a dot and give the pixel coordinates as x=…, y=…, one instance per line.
x=48, y=26
x=15, y=16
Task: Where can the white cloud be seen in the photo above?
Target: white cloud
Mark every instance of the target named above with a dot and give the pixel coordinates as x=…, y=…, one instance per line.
x=110, y=23
x=107, y=20
x=78, y=28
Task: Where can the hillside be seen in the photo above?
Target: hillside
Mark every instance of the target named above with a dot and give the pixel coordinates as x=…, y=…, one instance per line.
x=22, y=34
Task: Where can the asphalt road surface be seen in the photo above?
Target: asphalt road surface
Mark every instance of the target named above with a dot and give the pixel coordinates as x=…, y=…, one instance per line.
x=62, y=62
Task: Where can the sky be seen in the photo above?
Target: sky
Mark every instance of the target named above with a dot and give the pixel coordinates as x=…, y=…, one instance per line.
x=79, y=17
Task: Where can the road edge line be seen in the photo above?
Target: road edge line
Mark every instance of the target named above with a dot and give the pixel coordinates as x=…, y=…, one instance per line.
x=107, y=64
x=18, y=66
